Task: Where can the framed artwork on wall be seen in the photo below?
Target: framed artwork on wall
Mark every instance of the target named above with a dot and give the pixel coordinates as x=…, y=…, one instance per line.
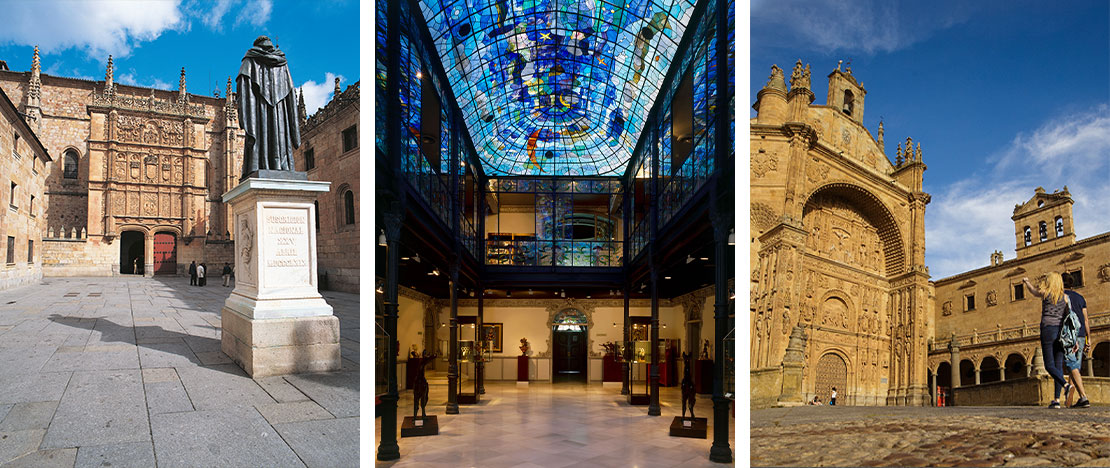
x=492, y=332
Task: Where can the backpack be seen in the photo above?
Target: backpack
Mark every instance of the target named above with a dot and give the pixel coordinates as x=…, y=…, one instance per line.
x=1069, y=327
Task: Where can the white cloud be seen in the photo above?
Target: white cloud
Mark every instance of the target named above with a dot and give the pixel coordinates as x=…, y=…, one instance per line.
x=255, y=12
x=867, y=26
x=101, y=28
x=316, y=95
x=130, y=79
x=213, y=17
x=969, y=219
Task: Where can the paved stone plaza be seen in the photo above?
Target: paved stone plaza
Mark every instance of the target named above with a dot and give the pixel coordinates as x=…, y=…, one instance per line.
x=552, y=426
x=922, y=436
x=127, y=371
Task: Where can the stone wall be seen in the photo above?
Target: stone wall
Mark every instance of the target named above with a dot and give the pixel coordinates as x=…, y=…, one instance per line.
x=337, y=242
x=22, y=216
x=766, y=386
x=1026, y=391
x=79, y=257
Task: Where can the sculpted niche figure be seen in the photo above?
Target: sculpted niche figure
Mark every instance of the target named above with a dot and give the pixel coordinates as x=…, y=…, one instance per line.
x=267, y=111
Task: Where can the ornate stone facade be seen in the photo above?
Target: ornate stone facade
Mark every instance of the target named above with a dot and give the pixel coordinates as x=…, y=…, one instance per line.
x=131, y=159
x=837, y=247
x=994, y=322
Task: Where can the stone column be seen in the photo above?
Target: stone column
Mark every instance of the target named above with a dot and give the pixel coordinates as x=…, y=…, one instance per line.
x=148, y=255
x=976, y=376
x=275, y=321
x=1090, y=365
x=932, y=388
x=954, y=350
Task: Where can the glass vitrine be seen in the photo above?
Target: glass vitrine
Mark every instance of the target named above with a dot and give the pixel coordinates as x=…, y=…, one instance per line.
x=470, y=354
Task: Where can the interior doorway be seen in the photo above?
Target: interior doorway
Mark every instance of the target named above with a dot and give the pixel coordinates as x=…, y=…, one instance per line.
x=569, y=353
x=131, y=253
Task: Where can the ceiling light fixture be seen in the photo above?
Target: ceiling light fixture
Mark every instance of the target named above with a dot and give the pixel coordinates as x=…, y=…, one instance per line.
x=562, y=293
x=381, y=239
x=689, y=259
x=380, y=289
x=416, y=258
x=704, y=259
x=435, y=272
x=666, y=277
x=731, y=237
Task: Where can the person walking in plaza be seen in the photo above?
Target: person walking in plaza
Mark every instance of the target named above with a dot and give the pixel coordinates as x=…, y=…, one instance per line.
x=227, y=273
x=1053, y=308
x=193, y=273
x=832, y=398
x=200, y=274
x=1073, y=360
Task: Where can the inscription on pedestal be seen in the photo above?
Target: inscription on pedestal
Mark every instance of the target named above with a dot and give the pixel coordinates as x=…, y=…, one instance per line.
x=287, y=259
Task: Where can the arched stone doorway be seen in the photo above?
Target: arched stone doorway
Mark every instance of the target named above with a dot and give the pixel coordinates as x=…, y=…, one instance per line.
x=967, y=373
x=569, y=341
x=1015, y=367
x=1100, y=359
x=831, y=372
x=944, y=381
x=131, y=246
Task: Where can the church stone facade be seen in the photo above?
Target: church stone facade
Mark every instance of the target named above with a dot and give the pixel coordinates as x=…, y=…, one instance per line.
x=840, y=295
x=987, y=323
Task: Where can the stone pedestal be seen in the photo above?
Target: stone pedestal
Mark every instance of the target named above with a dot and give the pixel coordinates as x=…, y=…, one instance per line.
x=275, y=321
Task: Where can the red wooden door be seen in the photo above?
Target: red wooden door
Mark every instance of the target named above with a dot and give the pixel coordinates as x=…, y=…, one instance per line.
x=165, y=254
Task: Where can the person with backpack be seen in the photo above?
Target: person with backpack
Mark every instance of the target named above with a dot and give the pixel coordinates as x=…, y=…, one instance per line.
x=1054, y=307
x=1073, y=361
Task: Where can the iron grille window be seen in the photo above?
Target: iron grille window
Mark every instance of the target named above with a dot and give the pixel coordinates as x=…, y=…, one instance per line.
x=1019, y=292
x=970, y=302
x=309, y=159
x=350, y=138
x=30, y=251
x=69, y=171
x=11, y=250
x=11, y=199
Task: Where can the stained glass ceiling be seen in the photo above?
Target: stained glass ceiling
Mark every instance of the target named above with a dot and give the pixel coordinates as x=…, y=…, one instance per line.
x=555, y=87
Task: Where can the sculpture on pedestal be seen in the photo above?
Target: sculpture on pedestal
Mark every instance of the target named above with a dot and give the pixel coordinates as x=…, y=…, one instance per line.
x=688, y=391
x=420, y=387
x=267, y=110
x=524, y=346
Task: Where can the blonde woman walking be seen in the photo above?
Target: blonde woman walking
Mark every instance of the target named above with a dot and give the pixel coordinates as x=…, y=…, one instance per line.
x=1053, y=307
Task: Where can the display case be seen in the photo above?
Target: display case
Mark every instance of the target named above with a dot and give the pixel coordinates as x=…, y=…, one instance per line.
x=639, y=361
x=470, y=354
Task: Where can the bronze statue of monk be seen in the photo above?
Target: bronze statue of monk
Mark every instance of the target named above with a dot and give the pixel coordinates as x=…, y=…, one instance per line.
x=268, y=113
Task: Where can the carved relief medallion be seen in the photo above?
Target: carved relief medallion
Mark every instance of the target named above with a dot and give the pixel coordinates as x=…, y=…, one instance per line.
x=992, y=297
x=1104, y=273
x=817, y=171
x=763, y=162
x=946, y=309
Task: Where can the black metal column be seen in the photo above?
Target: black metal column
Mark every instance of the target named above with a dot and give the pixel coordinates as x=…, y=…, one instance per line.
x=626, y=347
x=653, y=402
x=453, y=351
x=388, y=448
x=480, y=367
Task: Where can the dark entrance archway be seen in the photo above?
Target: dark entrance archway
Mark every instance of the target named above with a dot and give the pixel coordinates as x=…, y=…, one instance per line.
x=989, y=370
x=568, y=347
x=131, y=245
x=1100, y=358
x=1015, y=367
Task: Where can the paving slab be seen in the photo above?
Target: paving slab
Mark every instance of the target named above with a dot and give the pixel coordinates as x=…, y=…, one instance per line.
x=21, y=388
x=133, y=455
x=221, y=386
x=280, y=389
x=100, y=407
x=56, y=458
x=335, y=391
x=4, y=410
x=24, y=360
x=24, y=416
x=19, y=443
x=278, y=413
x=230, y=437
x=167, y=355
x=84, y=358
x=167, y=397
x=325, y=443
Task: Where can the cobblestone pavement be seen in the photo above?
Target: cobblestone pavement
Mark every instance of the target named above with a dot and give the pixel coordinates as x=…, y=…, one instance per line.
x=127, y=371
x=898, y=436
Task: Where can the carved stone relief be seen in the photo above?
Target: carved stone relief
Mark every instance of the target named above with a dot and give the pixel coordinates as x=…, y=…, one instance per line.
x=1104, y=273
x=992, y=298
x=816, y=170
x=763, y=162
x=837, y=231
x=763, y=216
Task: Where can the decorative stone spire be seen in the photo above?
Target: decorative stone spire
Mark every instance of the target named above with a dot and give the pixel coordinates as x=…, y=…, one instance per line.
x=229, y=102
x=799, y=78
x=776, y=81
x=881, y=145
x=181, y=87
x=917, y=157
x=36, y=65
x=34, y=89
x=301, y=115
x=898, y=160
x=109, y=82
x=909, y=149
x=337, y=90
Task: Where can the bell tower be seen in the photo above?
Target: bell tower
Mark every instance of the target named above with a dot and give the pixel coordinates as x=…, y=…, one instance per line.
x=845, y=93
x=1044, y=222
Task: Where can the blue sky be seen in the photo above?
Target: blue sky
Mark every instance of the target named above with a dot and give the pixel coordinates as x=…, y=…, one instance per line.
x=1003, y=96
x=151, y=40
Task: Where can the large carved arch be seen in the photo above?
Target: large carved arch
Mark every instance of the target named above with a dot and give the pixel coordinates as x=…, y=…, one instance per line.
x=555, y=309
x=875, y=211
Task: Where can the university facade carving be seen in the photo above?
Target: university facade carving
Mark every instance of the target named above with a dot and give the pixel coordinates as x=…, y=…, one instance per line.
x=838, y=247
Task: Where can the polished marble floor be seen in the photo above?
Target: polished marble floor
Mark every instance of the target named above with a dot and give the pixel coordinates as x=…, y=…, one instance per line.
x=552, y=426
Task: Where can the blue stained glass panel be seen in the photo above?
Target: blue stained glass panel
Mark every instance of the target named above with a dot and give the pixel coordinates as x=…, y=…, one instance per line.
x=555, y=87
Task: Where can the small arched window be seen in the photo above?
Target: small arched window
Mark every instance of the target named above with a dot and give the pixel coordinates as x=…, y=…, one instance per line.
x=849, y=102
x=69, y=168
x=349, y=206
x=1028, y=236
x=1044, y=231
x=1059, y=227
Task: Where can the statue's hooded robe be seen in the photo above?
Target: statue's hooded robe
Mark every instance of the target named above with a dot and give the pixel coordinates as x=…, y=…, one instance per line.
x=267, y=109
